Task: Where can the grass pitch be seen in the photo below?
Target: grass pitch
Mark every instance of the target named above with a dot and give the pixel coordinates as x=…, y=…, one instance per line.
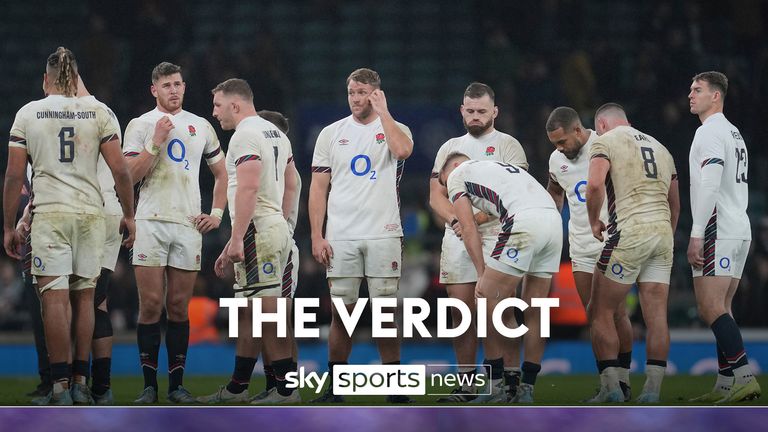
x=561, y=390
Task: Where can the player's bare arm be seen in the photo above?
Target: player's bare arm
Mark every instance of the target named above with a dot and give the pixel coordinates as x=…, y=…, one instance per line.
x=291, y=188
x=14, y=180
x=438, y=200
x=318, y=202
x=471, y=235
x=209, y=222
x=140, y=165
x=248, y=177
x=399, y=144
x=598, y=169
x=673, y=197
x=557, y=193
x=113, y=156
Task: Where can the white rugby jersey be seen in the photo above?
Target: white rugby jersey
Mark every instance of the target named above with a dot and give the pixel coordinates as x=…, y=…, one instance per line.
x=62, y=136
x=171, y=189
x=499, y=189
x=106, y=181
x=496, y=146
x=717, y=141
x=571, y=175
x=364, y=201
x=258, y=139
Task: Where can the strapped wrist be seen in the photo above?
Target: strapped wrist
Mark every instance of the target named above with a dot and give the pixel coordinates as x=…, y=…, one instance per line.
x=152, y=148
x=217, y=213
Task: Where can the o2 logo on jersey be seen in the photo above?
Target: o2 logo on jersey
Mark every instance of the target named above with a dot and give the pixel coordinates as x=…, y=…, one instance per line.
x=268, y=268
x=38, y=263
x=579, y=189
x=182, y=152
x=512, y=254
x=725, y=263
x=617, y=270
x=361, y=166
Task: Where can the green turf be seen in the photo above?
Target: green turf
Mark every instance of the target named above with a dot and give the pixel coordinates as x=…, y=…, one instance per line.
x=550, y=389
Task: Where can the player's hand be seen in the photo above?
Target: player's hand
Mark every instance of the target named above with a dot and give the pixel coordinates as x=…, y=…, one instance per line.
x=378, y=102
x=481, y=218
x=222, y=262
x=128, y=225
x=322, y=251
x=235, y=251
x=597, y=230
x=12, y=241
x=162, y=129
x=22, y=228
x=456, y=227
x=696, y=252
x=205, y=223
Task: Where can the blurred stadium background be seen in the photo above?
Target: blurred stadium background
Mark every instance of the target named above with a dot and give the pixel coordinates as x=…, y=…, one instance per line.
x=537, y=55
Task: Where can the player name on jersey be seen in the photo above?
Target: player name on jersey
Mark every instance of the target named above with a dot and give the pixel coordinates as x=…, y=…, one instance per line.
x=66, y=115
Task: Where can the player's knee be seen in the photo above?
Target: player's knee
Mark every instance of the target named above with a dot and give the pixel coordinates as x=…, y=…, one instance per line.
x=177, y=311
x=150, y=307
x=710, y=313
x=620, y=314
x=383, y=287
x=102, y=325
x=60, y=283
x=591, y=312
x=347, y=289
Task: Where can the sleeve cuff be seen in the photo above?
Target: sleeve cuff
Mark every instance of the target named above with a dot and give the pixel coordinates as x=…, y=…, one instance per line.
x=697, y=231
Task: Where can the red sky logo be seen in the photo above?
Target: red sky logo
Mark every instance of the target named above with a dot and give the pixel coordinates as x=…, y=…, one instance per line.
x=192, y=130
x=490, y=150
x=379, y=138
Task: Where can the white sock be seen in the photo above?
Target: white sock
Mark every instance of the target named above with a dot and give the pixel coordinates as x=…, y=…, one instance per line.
x=743, y=375
x=609, y=379
x=723, y=384
x=624, y=375
x=471, y=370
x=654, y=375
x=58, y=386
x=497, y=383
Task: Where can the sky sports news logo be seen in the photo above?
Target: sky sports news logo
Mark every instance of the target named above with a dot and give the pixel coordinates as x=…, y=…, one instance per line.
x=410, y=380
